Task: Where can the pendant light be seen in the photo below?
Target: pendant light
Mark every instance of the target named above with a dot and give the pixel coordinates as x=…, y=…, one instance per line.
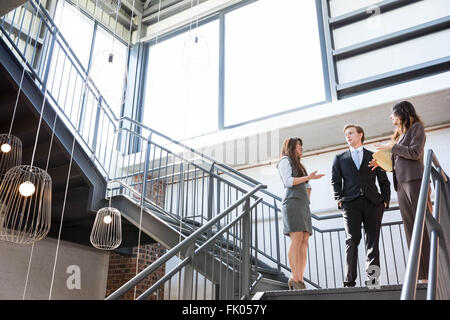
x=195, y=53
x=25, y=200
x=25, y=205
x=10, y=145
x=10, y=153
x=109, y=66
x=106, y=232
x=108, y=69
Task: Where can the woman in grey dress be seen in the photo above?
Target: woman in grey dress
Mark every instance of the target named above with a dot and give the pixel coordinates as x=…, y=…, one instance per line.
x=295, y=207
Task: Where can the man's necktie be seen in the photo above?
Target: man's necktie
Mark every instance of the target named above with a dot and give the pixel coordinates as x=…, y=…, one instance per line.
x=355, y=157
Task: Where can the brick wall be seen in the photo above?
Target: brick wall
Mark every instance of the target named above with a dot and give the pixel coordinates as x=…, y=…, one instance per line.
x=122, y=267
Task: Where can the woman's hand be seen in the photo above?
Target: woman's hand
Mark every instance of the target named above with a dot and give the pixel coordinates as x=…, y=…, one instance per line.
x=373, y=163
x=384, y=146
x=314, y=175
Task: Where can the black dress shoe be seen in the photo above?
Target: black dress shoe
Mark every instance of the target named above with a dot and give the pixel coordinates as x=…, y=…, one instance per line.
x=349, y=284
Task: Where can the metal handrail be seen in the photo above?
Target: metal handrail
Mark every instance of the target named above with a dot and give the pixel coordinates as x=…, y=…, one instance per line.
x=179, y=247
x=186, y=260
x=412, y=271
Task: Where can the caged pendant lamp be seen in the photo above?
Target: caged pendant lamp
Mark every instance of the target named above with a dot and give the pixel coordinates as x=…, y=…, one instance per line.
x=10, y=145
x=26, y=200
x=25, y=193
x=25, y=205
x=10, y=153
x=107, y=230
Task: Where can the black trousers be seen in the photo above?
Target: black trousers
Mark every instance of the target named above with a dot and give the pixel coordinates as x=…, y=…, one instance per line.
x=357, y=212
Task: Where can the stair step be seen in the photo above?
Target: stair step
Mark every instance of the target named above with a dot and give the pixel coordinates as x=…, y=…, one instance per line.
x=270, y=285
x=388, y=292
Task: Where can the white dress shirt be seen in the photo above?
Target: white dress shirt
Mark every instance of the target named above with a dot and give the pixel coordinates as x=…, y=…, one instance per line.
x=285, y=169
x=360, y=151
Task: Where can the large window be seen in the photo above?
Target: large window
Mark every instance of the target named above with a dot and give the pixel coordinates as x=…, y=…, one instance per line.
x=271, y=63
x=106, y=63
x=273, y=59
x=181, y=95
x=109, y=68
x=77, y=29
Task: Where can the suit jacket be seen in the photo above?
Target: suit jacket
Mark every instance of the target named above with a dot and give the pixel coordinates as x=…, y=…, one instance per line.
x=348, y=182
x=407, y=155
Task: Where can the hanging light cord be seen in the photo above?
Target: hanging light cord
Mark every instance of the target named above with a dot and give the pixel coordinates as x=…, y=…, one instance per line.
x=62, y=217
x=64, y=202
x=115, y=25
x=10, y=130
x=187, y=107
x=63, y=208
x=159, y=12
x=39, y=126
x=17, y=101
x=46, y=169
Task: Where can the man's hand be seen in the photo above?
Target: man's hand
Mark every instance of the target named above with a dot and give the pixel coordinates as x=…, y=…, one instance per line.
x=385, y=205
x=340, y=205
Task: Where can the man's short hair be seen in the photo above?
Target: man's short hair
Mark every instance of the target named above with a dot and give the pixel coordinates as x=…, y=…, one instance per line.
x=358, y=128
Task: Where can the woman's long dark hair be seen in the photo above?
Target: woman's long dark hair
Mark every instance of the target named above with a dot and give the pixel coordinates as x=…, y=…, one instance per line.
x=288, y=150
x=408, y=116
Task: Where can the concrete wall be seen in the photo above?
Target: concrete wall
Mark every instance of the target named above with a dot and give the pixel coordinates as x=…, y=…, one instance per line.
x=81, y=271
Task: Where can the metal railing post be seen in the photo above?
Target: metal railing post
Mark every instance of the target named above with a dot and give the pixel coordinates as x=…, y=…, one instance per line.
x=189, y=274
x=277, y=236
x=211, y=192
x=146, y=165
x=49, y=57
x=246, y=247
x=96, y=125
x=434, y=245
x=412, y=269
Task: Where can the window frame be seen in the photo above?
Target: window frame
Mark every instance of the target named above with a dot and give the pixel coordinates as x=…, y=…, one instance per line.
x=93, y=36
x=220, y=15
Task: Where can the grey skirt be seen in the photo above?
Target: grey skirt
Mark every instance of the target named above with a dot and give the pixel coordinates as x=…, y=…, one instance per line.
x=295, y=210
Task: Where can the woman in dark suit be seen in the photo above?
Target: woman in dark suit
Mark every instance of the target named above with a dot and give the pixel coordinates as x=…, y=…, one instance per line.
x=295, y=207
x=407, y=148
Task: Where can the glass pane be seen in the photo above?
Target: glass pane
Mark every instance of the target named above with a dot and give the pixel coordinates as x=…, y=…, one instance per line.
x=65, y=82
x=181, y=96
x=109, y=68
x=274, y=63
x=76, y=28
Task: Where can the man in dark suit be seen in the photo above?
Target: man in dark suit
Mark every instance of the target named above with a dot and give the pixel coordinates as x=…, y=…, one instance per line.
x=357, y=195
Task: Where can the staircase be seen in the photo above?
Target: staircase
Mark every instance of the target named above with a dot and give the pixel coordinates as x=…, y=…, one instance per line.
x=8, y=5
x=221, y=224
x=111, y=156
x=358, y=293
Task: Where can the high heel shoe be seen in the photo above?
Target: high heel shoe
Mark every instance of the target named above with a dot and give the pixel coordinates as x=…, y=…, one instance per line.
x=301, y=285
x=293, y=285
